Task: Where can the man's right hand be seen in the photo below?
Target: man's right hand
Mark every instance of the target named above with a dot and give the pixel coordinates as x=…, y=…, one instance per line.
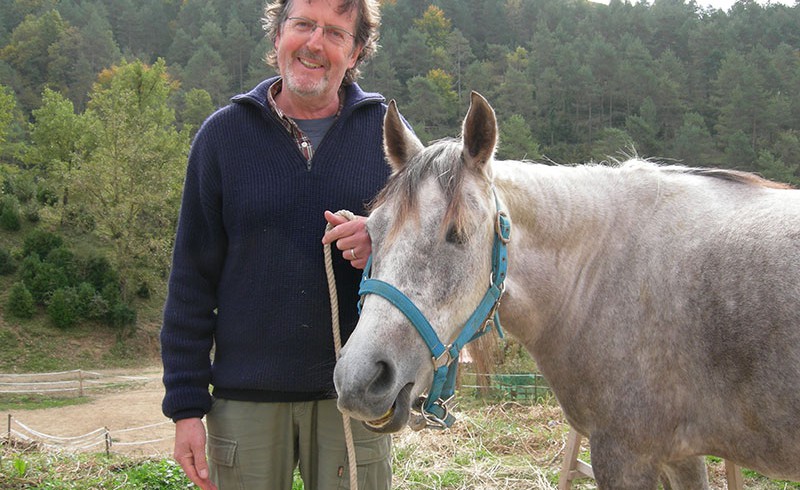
x=190, y=451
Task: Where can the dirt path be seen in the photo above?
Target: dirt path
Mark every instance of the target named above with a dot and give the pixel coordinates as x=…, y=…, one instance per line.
x=137, y=407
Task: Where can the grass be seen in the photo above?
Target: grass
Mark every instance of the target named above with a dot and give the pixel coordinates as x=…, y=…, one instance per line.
x=29, y=402
x=500, y=445
x=25, y=467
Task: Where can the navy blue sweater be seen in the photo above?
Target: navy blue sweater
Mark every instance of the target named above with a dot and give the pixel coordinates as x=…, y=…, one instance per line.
x=248, y=275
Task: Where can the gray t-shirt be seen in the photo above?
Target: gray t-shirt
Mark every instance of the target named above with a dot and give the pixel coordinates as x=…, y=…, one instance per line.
x=315, y=129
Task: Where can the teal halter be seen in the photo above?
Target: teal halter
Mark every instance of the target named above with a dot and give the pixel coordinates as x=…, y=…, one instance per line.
x=433, y=407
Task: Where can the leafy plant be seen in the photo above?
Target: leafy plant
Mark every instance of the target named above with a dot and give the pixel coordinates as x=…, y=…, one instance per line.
x=63, y=307
x=7, y=265
x=9, y=216
x=20, y=466
x=20, y=301
x=41, y=242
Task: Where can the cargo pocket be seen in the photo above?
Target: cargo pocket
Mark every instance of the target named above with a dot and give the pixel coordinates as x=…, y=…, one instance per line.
x=224, y=464
x=373, y=454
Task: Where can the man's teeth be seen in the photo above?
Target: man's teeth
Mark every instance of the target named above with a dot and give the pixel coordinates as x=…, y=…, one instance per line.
x=308, y=64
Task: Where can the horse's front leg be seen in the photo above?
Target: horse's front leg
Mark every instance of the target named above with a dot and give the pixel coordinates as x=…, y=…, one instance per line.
x=618, y=466
x=689, y=473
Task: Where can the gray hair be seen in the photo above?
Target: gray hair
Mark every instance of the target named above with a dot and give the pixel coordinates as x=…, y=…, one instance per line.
x=367, y=22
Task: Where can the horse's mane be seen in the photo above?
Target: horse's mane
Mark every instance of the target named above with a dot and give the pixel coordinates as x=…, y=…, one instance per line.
x=441, y=160
x=736, y=176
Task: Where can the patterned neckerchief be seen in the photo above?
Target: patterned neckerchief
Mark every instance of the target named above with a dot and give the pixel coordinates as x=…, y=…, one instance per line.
x=302, y=141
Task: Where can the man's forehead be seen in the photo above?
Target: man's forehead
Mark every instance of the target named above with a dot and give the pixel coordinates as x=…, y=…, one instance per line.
x=346, y=8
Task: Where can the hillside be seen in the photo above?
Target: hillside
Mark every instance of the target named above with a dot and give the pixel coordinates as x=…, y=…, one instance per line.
x=37, y=345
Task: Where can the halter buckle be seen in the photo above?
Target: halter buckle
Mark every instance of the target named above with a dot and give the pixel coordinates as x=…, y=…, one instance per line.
x=445, y=359
x=502, y=227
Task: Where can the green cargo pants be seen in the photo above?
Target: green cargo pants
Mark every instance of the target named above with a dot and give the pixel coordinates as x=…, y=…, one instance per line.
x=257, y=446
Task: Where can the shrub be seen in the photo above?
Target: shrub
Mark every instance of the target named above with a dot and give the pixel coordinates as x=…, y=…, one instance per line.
x=100, y=273
x=79, y=218
x=120, y=315
x=46, y=280
x=30, y=267
x=144, y=290
x=32, y=212
x=46, y=196
x=9, y=217
x=7, y=265
x=41, y=242
x=111, y=293
x=20, y=301
x=63, y=259
x=24, y=188
x=97, y=308
x=63, y=307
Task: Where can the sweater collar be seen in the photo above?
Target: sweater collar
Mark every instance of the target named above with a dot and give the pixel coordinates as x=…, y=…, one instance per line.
x=353, y=96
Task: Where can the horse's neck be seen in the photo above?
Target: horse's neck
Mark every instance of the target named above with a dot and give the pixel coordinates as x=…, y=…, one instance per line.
x=563, y=218
x=560, y=206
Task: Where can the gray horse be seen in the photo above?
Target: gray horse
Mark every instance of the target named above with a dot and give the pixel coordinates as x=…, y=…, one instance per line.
x=661, y=302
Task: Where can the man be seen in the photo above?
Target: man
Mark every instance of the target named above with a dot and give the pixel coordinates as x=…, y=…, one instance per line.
x=248, y=277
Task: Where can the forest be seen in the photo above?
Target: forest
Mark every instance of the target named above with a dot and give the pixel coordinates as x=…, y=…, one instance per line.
x=99, y=99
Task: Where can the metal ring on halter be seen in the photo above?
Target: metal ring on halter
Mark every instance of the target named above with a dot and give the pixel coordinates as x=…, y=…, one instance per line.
x=353, y=254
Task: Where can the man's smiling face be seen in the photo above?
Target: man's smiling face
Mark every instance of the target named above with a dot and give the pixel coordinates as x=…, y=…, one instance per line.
x=311, y=65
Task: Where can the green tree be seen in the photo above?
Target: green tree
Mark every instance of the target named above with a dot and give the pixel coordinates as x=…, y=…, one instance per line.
x=433, y=105
x=612, y=143
x=58, y=139
x=29, y=53
x=743, y=100
x=131, y=180
x=20, y=301
x=771, y=167
x=380, y=76
x=460, y=55
x=517, y=141
x=7, y=106
x=414, y=57
x=739, y=152
x=516, y=96
x=426, y=110
x=435, y=25
x=63, y=308
x=237, y=47
x=643, y=128
x=197, y=106
x=693, y=143
x=205, y=70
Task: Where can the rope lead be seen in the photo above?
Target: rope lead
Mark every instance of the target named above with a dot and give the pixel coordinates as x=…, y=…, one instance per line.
x=337, y=347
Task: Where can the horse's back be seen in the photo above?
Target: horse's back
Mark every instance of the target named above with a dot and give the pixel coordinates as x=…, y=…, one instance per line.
x=690, y=320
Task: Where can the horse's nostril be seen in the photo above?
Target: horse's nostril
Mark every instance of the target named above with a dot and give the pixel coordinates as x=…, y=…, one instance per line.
x=384, y=379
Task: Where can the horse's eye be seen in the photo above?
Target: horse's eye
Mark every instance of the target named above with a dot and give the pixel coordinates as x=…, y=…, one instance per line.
x=455, y=236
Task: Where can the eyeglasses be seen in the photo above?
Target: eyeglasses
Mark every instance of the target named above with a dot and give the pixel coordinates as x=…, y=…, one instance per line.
x=333, y=34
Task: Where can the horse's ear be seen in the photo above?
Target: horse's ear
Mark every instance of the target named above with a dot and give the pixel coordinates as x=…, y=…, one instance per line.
x=399, y=142
x=479, y=132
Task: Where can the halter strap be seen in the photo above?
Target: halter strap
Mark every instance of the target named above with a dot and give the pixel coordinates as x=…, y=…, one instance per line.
x=433, y=407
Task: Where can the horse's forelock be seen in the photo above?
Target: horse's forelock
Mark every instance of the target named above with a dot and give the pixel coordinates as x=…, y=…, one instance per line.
x=443, y=162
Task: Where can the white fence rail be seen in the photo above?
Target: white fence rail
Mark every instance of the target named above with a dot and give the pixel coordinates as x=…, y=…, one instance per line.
x=98, y=439
x=76, y=382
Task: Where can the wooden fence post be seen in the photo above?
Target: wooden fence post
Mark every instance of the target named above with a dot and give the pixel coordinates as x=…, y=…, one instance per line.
x=734, y=476
x=573, y=468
